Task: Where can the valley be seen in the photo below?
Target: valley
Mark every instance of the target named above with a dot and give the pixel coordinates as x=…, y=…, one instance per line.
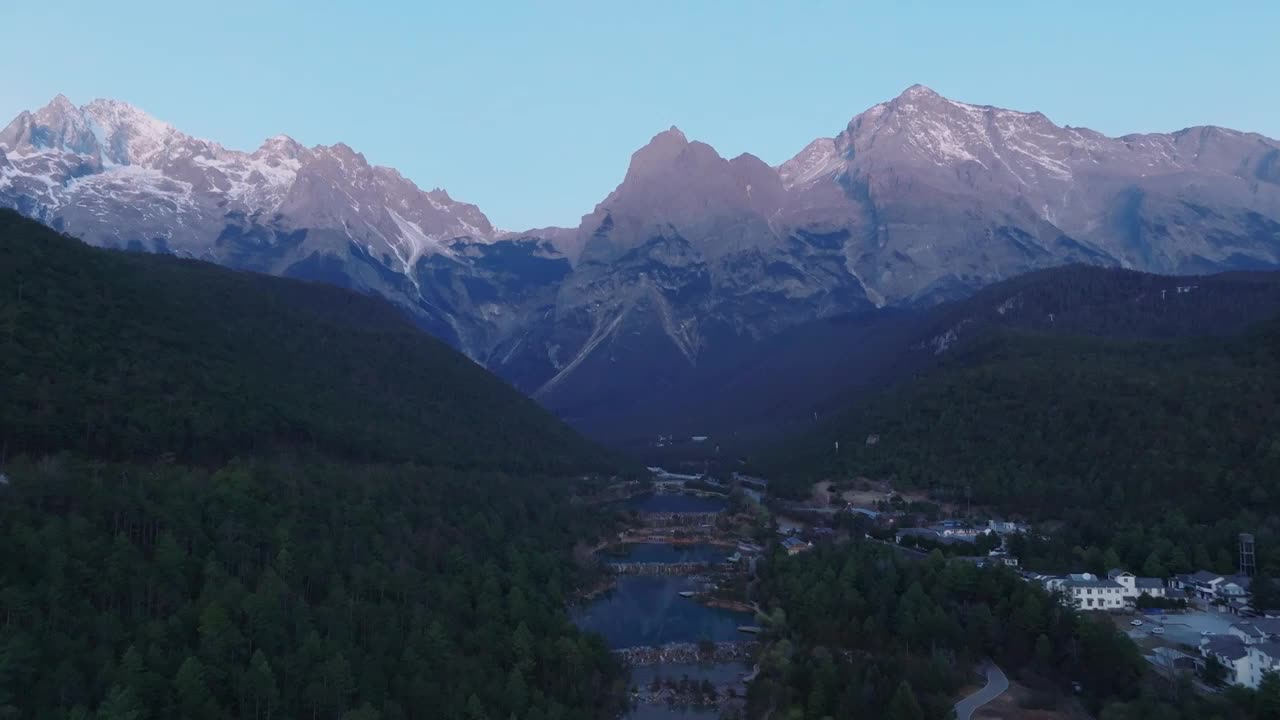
x=957, y=411
x=687, y=656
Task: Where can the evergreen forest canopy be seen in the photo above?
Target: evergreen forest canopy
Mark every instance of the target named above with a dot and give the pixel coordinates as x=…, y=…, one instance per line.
x=224, y=495
x=132, y=356
x=1152, y=453
x=859, y=630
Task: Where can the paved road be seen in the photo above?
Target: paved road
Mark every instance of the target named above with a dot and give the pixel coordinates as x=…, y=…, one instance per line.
x=997, y=683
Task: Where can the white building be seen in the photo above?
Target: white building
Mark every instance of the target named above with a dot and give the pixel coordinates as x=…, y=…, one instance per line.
x=1134, y=586
x=1247, y=650
x=1089, y=592
x=956, y=529
x=1211, y=587
x=1255, y=632
x=1005, y=527
x=1263, y=657
x=1233, y=653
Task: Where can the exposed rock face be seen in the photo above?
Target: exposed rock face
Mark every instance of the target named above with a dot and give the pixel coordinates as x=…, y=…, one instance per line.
x=941, y=196
x=694, y=259
x=114, y=176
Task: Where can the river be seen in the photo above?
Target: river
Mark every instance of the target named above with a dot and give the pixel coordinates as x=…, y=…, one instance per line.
x=668, y=553
x=648, y=610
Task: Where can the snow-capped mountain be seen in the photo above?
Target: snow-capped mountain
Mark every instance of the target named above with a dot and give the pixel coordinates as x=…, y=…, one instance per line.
x=940, y=197
x=693, y=260
x=114, y=176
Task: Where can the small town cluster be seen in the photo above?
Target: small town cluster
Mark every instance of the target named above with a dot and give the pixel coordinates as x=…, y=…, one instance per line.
x=1182, y=622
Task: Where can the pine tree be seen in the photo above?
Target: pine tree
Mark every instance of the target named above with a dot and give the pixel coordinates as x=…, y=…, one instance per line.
x=904, y=705
x=193, y=693
x=121, y=704
x=1044, y=650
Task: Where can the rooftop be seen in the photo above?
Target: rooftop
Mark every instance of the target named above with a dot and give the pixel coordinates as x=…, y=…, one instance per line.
x=1230, y=647
x=1260, y=627
x=1094, y=583
x=1243, y=581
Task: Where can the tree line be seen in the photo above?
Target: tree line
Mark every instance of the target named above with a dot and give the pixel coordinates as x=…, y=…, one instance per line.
x=225, y=495
x=277, y=589
x=1155, y=454
x=859, y=630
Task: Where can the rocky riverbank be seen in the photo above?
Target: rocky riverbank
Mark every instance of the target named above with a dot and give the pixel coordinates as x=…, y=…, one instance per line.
x=678, y=519
x=660, y=568
x=689, y=653
x=727, y=604
x=595, y=590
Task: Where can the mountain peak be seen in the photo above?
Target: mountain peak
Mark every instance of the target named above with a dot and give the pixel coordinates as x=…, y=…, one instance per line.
x=918, y=92
x=60, y=103
x=658, y=153
x=56, y=112
x=57, y=126
x=672, y=137
x=280, y=145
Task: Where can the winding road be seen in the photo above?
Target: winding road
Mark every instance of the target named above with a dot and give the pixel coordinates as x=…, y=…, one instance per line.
x=997, y=683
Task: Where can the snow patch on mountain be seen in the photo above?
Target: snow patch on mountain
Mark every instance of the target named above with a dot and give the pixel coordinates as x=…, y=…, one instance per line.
x=414, y=243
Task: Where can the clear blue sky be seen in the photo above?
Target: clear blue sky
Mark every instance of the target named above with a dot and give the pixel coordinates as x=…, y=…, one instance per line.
x=532, y=109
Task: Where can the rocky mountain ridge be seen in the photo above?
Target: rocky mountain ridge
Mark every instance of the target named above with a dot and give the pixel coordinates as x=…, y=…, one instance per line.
x=693, y=257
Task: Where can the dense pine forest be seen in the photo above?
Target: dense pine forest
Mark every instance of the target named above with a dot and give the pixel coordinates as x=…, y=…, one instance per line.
x=1149, y=453
x=861, y=631
x=129, y=356
x=290, y=590
x=230, y=496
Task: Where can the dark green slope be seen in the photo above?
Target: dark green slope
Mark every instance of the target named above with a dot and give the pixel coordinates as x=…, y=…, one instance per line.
x=1033, y=422
x=133, y=356
x=224, y=495
x=1105, y=434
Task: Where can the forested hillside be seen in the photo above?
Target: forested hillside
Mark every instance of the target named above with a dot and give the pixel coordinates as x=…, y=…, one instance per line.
x=231, y=496
x=131, y=356
x=798, y=379
x=859, y=630
x=282, y=590
x=1141, y=447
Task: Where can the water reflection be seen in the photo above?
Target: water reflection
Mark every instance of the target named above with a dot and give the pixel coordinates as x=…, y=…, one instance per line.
x=665, y=553
x=648, y=610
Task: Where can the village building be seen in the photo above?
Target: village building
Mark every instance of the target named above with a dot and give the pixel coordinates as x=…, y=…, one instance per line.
x=1212, y=587
x=1003, y=558
x=1005, y=527
x=1254, y=632
x=795, y=546
x=1248, y=650
x=1232, y=652
x=1135, y=587
x=1087, y=591
x=1263, y=658
x=956, y=529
